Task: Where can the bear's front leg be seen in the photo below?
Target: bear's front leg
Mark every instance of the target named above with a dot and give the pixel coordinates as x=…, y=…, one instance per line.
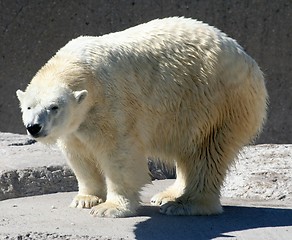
x=125, y=175
x=91, y=183
x=91, y=186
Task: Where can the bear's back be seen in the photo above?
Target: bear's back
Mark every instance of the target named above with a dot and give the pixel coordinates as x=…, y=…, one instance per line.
x=169, y=39
x=164, y=60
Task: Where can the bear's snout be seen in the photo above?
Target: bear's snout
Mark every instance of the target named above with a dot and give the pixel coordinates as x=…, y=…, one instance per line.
x=34, y=129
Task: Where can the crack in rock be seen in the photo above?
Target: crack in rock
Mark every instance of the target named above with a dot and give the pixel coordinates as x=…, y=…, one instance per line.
x=27, y=142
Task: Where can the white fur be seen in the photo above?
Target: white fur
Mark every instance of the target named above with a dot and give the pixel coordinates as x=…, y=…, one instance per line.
x=172, y=88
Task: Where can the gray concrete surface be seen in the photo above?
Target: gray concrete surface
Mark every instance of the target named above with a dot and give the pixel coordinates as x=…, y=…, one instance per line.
x=49, y=217
x=257, y=199
x=32, y=31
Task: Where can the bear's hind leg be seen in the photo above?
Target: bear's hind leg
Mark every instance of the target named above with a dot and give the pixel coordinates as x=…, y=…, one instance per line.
x=197, y=198
x=174, y=200
x=202, y=173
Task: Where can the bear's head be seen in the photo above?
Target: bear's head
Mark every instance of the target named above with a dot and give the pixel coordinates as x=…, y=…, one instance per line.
x=51, y=112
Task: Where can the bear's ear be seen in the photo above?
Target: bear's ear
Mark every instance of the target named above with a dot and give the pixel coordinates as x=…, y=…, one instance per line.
x=20, y=95
x=80, y=95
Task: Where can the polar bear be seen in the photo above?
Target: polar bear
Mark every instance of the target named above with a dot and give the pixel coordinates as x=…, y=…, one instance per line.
x=175, y=89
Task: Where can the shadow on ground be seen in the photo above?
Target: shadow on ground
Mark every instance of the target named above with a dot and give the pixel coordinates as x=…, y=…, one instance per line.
x=234, y=219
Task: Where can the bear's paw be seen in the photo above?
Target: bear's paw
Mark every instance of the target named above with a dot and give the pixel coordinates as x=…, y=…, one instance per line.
x=85, y=201
x=163, y=197
x=190, y=208
x=111, y=210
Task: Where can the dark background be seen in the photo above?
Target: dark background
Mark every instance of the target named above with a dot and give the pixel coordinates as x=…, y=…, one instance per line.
x=32, y=31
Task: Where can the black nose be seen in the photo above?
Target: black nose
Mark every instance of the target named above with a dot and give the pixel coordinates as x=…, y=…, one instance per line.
x=34, y=129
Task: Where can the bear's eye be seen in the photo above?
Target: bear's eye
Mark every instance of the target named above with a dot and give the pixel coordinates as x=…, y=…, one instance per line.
x=28, y=108
x=54, y=108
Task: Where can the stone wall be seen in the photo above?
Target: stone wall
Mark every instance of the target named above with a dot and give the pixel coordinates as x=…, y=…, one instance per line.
x=32, y=31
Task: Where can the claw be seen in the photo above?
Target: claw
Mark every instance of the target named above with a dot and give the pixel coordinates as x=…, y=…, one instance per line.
x=85, y=201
